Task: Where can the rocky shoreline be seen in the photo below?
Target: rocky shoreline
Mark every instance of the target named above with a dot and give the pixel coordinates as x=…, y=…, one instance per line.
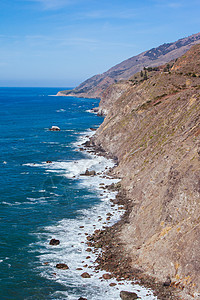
x=113, y=257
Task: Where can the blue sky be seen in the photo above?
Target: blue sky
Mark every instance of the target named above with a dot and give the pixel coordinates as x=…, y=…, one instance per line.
x=63, y=42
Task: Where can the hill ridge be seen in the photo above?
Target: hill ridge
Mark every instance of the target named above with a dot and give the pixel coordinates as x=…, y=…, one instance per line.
x=94, y=87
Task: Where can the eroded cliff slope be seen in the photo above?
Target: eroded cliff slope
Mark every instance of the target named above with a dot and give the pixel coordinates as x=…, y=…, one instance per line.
x=153, y=129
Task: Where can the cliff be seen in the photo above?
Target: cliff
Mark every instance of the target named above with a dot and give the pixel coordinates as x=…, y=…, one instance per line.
x=96, y=85
x=152, y=127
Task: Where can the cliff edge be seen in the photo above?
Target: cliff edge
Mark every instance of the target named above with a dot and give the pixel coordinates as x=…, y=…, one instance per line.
x=152, y=126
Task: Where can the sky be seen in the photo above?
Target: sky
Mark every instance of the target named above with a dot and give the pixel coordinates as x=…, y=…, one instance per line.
x=60, y=43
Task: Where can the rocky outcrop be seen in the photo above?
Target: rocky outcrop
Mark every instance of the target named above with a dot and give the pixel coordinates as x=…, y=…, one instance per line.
x=54, y=242
x=96, y=85
x=89, y=173
x=153, y=129
x=54, y=128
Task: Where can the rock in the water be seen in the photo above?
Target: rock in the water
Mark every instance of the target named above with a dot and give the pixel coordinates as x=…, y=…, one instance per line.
x=128, y=295
x=92, y=173
x=54, y=128
x=88, y=249
x=62, y=266
x=112, y=284
x=87, y=144
x=54, y=242
x=88, y=173
x=81, y=298
x=49, y=162
x=85, y=275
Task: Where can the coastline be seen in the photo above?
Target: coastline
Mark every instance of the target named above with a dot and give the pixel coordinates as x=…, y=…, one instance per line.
x=73, y=251
x=108, y=237
x=113, y=258
x=153, y=129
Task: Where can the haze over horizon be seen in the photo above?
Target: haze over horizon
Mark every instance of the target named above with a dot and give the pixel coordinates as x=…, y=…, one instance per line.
x=63, y=42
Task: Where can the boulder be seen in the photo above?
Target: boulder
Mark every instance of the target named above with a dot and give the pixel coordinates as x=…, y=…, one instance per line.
x=81, y=298
x=54, y=128
x=49, y=162
x=85, y=275
x=92, y=173
x=88, y=250
x=128, y=295
x=54, y=242
x=87, y=144
x=62, y=266
x=89, y=173
x=107, y=276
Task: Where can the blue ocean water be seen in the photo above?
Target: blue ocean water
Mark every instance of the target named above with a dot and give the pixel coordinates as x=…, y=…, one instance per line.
x=40, y=201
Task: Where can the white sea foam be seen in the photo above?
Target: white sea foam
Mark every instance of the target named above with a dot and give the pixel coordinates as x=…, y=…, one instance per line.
x=61, y=110
x=91, y=111
x=11, y=204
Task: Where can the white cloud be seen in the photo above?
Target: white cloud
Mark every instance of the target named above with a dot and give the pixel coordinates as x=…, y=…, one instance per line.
x=169, y=4
x=107, y=14
x=52, y=4
x=175, y=5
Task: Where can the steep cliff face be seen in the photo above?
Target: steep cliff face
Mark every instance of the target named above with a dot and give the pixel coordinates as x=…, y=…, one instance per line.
x=96, y=85
x=153, y=128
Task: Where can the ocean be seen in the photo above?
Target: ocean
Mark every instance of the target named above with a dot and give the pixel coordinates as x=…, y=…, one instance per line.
x=40, y=201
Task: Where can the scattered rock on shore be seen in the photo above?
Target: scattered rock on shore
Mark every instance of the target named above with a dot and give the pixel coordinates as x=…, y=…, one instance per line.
x=128, y=295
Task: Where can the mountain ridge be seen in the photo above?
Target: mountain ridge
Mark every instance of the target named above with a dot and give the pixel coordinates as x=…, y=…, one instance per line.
x=97, y=84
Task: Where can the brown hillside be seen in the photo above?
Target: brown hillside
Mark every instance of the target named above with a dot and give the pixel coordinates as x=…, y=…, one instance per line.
x=153, y=128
